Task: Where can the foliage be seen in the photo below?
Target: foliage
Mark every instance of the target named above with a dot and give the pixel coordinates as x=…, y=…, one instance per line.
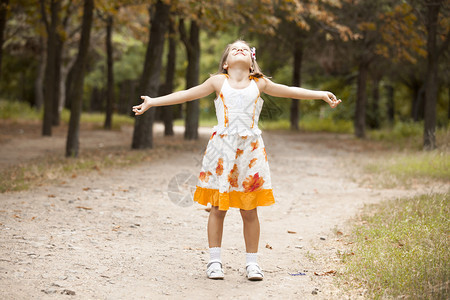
x=401, y=249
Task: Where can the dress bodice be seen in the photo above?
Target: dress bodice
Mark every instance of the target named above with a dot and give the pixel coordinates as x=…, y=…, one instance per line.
x=238, y=110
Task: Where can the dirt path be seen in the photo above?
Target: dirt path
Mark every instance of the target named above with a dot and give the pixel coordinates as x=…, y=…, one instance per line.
x=117, y=235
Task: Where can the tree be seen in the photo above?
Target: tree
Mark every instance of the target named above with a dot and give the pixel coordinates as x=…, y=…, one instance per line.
x=76, y=90
x=149, y=84
x=3, y=11
x=192, y=45
x=167, y=87
x=434, y=51
x=51, y=77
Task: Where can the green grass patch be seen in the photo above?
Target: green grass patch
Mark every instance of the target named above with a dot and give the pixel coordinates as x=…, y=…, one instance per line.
x=401, y=249
x=51, y=169
x=15, y=110
x=408, y=135
x=406, y=168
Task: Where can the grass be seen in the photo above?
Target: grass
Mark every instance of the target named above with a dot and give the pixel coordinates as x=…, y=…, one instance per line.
x=401, y=249
x=409, y=167
x=408, y=135
x=51, y=169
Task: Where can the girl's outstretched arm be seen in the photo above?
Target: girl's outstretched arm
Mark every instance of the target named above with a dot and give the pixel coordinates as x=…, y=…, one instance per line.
x=193, y=93
x=281, y=90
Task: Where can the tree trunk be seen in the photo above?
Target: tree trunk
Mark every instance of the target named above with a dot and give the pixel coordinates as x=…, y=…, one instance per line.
x=418, y=107
x=170, y=77
x=3, y=12
x=296, y=81
x=167, y=87
x=49, y=81
x=192, y=74
x=374, y=120
x=390, y=103
x=110, y=74
x=39, y=82
x=143, y=126
x=431, y=81
x=56, y=84
x=361, y=100
x=76, y=91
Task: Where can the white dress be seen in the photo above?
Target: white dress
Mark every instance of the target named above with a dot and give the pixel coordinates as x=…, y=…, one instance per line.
x=235, y=170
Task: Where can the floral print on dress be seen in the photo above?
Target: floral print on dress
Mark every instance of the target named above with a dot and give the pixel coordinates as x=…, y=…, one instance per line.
x=212, y=135
x=253, y=183
x=233, y=176
x=219, y=168
x=252, y=162
x=239, y=152
x=204, y=176
x=255, y=145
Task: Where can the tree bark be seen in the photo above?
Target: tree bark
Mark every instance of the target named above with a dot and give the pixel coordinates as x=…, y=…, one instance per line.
x=296, y=81
x=390, y=104
x=110, y=73
x=3, y=12
x=192, y=76
x=143, y=126
x=76, y=91
x=50, y=76
x=167, y=87
x=431, y=81
x=374, y=122
x=39, y=82
x=56, y=114
x=361, y=100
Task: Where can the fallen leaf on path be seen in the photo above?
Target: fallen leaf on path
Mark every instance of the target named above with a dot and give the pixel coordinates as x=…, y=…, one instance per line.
x=16, y=216
x=292, y=232
x=51, y=196
x=84, y=207
x=339, y=233
x=86, y=189
x=331, y=273
x=116, y=228
x=268, y=246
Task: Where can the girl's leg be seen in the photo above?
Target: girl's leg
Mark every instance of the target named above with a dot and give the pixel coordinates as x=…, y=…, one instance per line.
x=215, y=226
x=251, y=230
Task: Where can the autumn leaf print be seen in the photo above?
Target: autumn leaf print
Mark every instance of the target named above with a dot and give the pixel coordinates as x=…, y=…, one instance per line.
x=265, y=153
x=219, y=168
x=214, y=133
x=255, y=145
x=239, y=152
x=252, y=162
x=233, y=176
x=222, y=135
x=253, y=183
x=204, y=176
x=244, y=137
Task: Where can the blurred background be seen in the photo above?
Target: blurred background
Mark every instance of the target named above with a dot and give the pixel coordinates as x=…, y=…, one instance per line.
x=387, y=60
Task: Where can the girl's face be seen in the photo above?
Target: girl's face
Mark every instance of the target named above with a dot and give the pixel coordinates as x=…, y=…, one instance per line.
x=239, y=52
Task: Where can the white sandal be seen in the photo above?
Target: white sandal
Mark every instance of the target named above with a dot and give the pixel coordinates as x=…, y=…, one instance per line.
x=254, y=272
x=214, y=270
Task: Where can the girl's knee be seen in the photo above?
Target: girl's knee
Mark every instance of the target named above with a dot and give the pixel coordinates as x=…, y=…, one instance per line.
x=217, y=213
x=249, y=215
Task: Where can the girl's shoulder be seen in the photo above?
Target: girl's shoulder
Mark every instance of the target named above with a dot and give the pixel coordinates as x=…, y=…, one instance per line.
x=217, y=81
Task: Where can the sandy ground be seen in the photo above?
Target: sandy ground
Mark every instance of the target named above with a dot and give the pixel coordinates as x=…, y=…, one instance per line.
x=122, y=234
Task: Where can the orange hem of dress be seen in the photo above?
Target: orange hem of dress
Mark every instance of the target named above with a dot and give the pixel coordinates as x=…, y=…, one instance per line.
x=242, y=200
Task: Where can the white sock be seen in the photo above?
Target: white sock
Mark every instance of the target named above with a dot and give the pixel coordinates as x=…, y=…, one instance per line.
x=252, y=258
x=214, y=254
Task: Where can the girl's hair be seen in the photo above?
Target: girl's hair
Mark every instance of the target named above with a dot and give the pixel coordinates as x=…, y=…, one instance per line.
x=255, y=70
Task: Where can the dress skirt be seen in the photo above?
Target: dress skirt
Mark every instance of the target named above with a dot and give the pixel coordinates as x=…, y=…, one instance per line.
x=235, y=173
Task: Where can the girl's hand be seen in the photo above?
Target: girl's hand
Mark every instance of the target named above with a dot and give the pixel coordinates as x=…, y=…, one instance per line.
x=143, y=107
x=331, y=99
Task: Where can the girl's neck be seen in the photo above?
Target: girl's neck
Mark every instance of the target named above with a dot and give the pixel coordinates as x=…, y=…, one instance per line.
x=238, y=74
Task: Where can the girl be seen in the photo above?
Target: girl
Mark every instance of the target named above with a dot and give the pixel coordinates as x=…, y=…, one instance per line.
x=235, y=171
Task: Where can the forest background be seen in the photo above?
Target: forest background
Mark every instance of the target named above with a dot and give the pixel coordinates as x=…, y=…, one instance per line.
x=386, y=59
